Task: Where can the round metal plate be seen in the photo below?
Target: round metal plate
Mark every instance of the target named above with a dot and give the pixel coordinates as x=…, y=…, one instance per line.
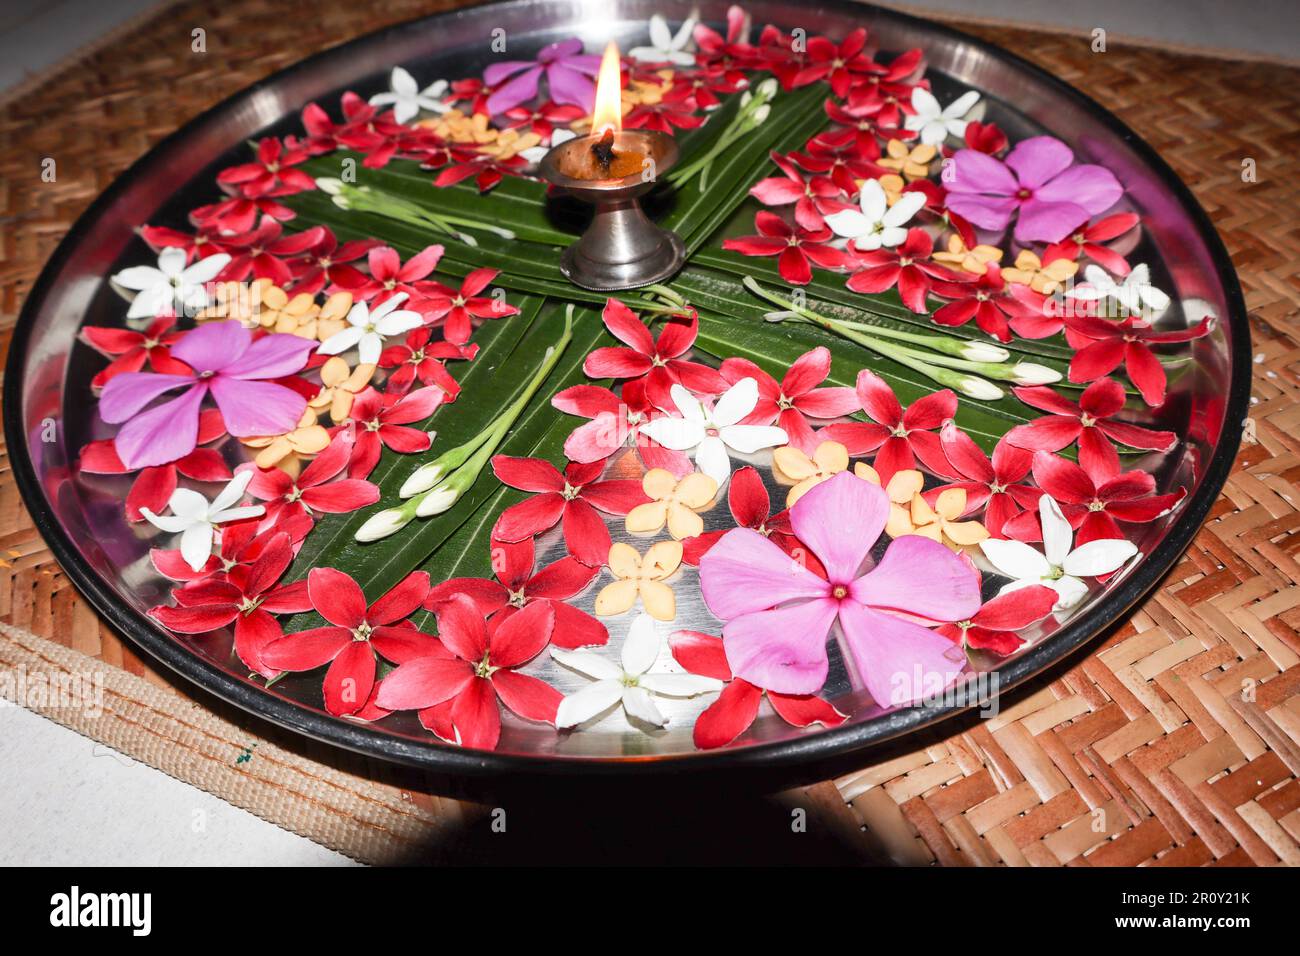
x=48, y=417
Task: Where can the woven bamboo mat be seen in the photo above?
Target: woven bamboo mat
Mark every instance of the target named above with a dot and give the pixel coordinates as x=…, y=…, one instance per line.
x=1144, y=751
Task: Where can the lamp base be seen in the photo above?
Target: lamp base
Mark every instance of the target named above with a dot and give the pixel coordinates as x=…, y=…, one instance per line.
x=607, y=276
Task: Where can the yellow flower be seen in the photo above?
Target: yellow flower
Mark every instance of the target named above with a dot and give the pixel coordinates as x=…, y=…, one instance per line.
x=340, y=386
x=673, y=502
x=913, y=163
x=510, y=142
x=910, y=513
x=1029, y=270
x=829, y=459
x=643, y=576
x=457, y=127
x=235, y=300
x=893, y=185
x=287, y=451
x=968, y=260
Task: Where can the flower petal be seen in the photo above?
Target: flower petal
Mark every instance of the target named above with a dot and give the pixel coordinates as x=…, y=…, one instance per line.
x=897, y=661
x=921, y=577
x=746, y=572
x=783, y=649
x=840, y=520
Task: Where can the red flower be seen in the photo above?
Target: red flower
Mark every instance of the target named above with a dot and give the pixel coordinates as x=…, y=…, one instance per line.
x=573, y=498
x=730, y=53
x=313, y=491
x=993, y=626
x=241, y=543
x=705, y=85
x=837, y=64
x=543, y=119
x=354, y=635
x=1093, y=503
x=993, y=485
x=614, y=421
x=795, y=396
x=248, y=597
x=154, y=485
x=861, y=119
x=457, y=694
x=676, y=109
x=1102, y=345
x=486, y=170
x=985, y=137
x=1087, y=239
x=272, y=173
x=989, y=300
x=388, y=276
x=457, y=309
x=813, y=196
x=262, y=252
x=889, y=82
x=519, y=586
x=796, y=246
x=840, y=155
x=131, y=349
x=327, y=263
x=239, y=214
x=1089, y=423
x=379, y=420
x=751, y=507
x=658, y=361
x=902, y=436
x=907, y=266
x=736, y=707
x=418, y=359
x=201, y=243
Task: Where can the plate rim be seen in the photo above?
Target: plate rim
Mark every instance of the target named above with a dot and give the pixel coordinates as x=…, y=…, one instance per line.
x=806, y=756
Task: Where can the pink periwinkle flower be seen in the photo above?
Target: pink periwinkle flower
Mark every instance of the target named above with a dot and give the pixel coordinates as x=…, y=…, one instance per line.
x=568, y=74
x=1038, y=181
x=227, y=363
x=778, y=613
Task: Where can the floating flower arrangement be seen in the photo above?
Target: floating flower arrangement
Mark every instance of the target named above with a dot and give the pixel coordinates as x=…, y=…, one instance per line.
x=883, y=422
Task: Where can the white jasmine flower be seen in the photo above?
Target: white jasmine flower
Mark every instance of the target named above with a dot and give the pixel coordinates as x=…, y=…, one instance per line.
x=171, y=284
x=937, y=124
x=1134, y=296
x=628, y=681
x=194, y=518
x=876, y=223
x=1062, y=567
x=711, y=431
x=407, y=99
x=665, y=47
x=367, y=328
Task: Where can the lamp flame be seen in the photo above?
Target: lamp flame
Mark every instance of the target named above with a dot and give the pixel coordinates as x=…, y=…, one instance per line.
x=608, y=112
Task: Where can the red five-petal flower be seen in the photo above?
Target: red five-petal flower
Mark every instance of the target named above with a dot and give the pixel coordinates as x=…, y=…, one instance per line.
x=901, y=435
x=797, y=247
x=736, y=707
x=795, y=396
x=457, y=695
x=354, y=635
x=994, y=625
x=574, y=497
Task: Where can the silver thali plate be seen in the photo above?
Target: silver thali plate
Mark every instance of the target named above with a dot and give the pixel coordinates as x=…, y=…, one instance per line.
x=48, y=417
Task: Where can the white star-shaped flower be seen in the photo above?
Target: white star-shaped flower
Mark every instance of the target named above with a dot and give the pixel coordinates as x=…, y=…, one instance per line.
x=665, y=47
x=194, y=518
x=171, y=284
x=1062, y=567
x=367, y=328
x=1135, y=296
x=628, y=681
x=937, y=123
x=711, y=431
x=407, y=99
x=876, y=223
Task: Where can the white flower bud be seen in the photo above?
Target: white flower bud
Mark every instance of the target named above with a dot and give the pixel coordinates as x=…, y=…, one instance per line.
x=422, y=479
x=381, y=525
x=1029, y=373
x=761, y=114
x=437, y=501
x=979, y=389
x=984, y=352
x=329, y=185
x=767, y=89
